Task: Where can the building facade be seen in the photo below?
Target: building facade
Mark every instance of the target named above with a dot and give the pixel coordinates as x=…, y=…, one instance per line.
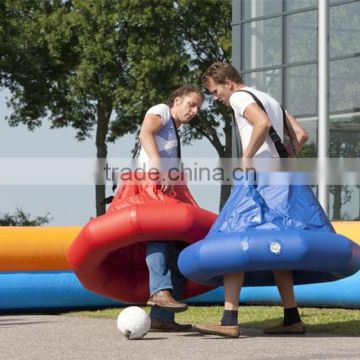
x=275, y=47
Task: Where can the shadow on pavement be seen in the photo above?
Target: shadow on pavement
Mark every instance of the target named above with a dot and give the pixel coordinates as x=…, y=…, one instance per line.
x=335, y=329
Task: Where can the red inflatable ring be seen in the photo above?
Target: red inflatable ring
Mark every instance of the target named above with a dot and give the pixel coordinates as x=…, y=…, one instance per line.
x=108, y=256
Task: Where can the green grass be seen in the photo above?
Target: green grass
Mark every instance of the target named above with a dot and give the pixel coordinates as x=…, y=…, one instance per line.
x=317, y=320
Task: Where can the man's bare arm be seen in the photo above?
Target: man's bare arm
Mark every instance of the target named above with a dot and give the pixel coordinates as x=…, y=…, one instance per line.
x=261, y=126
x=297, y=134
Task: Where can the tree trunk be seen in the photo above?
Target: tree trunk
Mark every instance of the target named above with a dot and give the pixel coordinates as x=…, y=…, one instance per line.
x=337, y=203
x=227, y=154
x=103, y=115
x=359, y=203
x=224, y=195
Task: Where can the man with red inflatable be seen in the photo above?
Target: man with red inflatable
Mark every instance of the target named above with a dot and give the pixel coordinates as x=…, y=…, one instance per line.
x=159, y=139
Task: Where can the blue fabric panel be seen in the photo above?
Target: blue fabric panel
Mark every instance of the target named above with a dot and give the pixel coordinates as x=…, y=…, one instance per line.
x=271, y=207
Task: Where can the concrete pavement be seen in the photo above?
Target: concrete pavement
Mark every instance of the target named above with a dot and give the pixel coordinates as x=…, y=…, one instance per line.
x=63, y=337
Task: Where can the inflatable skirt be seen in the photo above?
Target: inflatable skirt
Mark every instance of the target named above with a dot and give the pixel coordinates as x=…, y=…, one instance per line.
x=108, y=256
x=263, y=228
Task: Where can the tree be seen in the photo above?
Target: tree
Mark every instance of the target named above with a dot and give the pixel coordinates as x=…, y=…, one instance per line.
x=22, y=218
x=205, y=28
x=202, y=32
x=99, y=64
x=93, y=64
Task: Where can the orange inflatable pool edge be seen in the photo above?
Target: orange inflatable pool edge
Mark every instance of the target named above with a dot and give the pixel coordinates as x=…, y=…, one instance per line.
x=35, y=248
x=45, y=248
x=350, y=229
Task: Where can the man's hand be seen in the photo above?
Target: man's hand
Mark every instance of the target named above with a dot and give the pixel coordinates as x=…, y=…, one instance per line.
x=167, y=189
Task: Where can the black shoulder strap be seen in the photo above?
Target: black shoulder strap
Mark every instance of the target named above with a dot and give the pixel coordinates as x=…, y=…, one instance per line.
x=138, y=143
x=280, y=147
x=178, y=139
x=236, y=139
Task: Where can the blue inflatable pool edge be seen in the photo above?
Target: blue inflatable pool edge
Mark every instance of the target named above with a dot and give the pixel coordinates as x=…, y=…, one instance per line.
x=57, y=291
x=46, y=291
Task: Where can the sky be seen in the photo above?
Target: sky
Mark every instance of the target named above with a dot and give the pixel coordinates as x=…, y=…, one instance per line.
x=67, y=205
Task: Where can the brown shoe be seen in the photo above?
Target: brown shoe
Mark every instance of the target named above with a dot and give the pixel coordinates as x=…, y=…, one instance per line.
x=164, y=300
x=297, y=328
x=216, y=329
x=169, y=326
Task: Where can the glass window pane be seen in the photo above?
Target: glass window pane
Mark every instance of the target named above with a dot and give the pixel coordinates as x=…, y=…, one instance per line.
x=301, y=89
x=344, y=202
x=345, y=84
x=301, y=37
x=256, y=8
x=338, y=1
x=299, y=4
x=345, y=143
x=344, y=29
x=310, y=124
x=261, y=43
x=309, y=149
x=345, y=135
x=267, y=81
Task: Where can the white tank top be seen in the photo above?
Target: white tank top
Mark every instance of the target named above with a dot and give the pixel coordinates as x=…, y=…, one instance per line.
x=239, y=101
x=166, y=139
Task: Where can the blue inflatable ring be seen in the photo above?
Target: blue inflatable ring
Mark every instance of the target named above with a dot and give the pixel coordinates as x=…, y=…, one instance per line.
x=313, y=256
x=271, y=224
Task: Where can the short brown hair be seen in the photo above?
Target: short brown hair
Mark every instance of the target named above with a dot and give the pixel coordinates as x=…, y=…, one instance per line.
x=221, y=71
x=184, y=90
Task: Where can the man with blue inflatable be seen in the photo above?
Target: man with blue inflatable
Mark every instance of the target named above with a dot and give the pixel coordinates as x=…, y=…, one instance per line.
x=259, y=119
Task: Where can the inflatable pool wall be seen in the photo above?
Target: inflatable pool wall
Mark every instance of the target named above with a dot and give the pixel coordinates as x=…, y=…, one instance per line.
x=35, y=276
x=34, y=273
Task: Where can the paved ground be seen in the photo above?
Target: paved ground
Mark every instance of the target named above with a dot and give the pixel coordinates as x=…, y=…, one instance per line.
x=47, y=337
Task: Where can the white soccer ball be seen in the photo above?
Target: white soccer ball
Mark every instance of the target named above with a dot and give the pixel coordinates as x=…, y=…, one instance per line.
x=133, y=322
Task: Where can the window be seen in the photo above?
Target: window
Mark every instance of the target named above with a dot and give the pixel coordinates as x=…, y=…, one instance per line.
x=301, y=37
x=268, y=81
x=299, y=4
x=301, y=89
x=276, y=48
x=262, y=43
x=344, y=85
x=344, y=29
x=257, y=8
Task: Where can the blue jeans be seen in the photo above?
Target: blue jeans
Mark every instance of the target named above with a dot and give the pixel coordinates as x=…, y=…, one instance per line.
x=161, y=259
